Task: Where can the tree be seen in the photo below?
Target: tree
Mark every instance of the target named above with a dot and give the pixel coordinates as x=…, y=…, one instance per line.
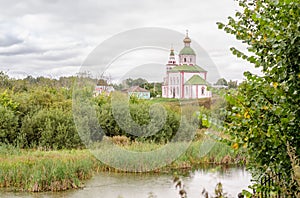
x=264, y=113
x=4, y=80
x=221, y=81
x=49, y=128
x=8, y=125
x=232, y=84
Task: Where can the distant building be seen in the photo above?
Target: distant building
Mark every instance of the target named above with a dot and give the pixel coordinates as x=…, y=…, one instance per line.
x=102, y=87
x=138, y=92
x=185, y=79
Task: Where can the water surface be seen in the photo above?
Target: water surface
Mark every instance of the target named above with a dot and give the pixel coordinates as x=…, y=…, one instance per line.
x=117, y=185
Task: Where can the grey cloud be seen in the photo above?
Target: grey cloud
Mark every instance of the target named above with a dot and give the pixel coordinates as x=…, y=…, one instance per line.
x=7, y=40
x=89, y=22
x=24, y=50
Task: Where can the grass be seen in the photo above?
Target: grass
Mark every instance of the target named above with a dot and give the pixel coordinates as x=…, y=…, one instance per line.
x=38, y=170
x=35, y=170
x=206, y=102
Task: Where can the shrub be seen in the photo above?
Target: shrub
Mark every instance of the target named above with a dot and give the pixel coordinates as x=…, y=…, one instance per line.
x=52, y=128
x=8, y=125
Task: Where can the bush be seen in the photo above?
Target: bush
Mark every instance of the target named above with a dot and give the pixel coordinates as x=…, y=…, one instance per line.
x=134, y=120
x=52, y=128
x=8, y=125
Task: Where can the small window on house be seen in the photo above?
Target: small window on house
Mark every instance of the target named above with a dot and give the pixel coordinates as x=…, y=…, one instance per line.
x=202, y=90
x=184, y=59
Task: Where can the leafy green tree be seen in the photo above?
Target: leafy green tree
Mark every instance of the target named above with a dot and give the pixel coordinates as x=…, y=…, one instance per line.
x=222, y=81
x=49, y=128
x=133, y=120
x=232, y=84
x=4, y=80
x=8, y=125
x=265, y=111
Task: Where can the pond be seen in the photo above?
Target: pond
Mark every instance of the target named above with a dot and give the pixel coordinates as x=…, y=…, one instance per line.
x=121, y=185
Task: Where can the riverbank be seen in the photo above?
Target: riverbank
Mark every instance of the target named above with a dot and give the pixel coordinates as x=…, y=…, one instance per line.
x=59, y=170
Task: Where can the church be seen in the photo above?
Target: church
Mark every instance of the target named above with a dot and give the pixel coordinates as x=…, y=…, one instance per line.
x=185, y=79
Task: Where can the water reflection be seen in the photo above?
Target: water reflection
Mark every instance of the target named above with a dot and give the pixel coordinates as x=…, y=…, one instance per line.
x=116, y=185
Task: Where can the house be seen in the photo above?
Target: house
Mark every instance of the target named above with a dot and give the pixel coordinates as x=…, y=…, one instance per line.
x=138, y=92
x=102, y=87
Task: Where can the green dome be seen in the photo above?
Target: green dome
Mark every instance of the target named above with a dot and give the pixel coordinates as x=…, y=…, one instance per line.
x=172, y=53
x=187, y=51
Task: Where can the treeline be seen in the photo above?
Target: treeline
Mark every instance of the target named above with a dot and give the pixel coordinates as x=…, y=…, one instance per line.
x=37, y=112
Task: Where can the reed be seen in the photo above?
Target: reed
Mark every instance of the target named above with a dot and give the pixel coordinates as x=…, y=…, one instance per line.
x=58, y=170
x=35, y=171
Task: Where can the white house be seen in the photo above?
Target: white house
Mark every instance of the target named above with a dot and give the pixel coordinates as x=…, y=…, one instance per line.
x=103, y=87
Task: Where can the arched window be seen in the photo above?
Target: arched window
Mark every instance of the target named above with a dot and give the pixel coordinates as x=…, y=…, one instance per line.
x=184, y=59
x=202, y=90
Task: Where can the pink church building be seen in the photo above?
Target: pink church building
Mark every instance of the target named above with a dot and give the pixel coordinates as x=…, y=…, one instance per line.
x=185, y=80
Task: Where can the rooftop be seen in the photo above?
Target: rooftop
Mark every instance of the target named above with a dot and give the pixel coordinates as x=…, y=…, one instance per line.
x=187, y=50
x=196, y=80
x=135, y=89
x=187, y=68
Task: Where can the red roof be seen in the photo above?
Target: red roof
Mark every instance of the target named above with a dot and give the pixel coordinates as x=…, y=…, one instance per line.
x=136, y=89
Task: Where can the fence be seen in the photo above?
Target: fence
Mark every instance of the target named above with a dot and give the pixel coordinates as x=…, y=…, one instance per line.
x=270, y=186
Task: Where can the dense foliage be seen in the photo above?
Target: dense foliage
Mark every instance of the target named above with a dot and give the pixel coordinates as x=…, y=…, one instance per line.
x=264, y=113
x=39, y=113
x=222, y=81
x=132, y=118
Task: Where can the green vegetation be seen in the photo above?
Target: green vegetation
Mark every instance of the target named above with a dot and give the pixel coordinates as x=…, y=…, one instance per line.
x=41, y=148
x=36, y=170
x=57, y=170
x=264, y=113
x=37, y=115
x=222, y=81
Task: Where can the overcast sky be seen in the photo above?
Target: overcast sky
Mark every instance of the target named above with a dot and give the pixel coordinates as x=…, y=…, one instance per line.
x=54, y=37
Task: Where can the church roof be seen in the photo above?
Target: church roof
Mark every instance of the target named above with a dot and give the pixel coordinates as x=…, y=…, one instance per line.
x=187, y=68
x=172, y=52
x=187, y=51
x=187, y=38
x=196, y=80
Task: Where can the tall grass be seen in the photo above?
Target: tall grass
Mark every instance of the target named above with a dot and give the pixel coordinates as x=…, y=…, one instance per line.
x=156, y=157
x=38, y=170
x=34, y=170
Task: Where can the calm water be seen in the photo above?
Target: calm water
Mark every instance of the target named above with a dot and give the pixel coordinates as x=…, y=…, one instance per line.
x=113, y=185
